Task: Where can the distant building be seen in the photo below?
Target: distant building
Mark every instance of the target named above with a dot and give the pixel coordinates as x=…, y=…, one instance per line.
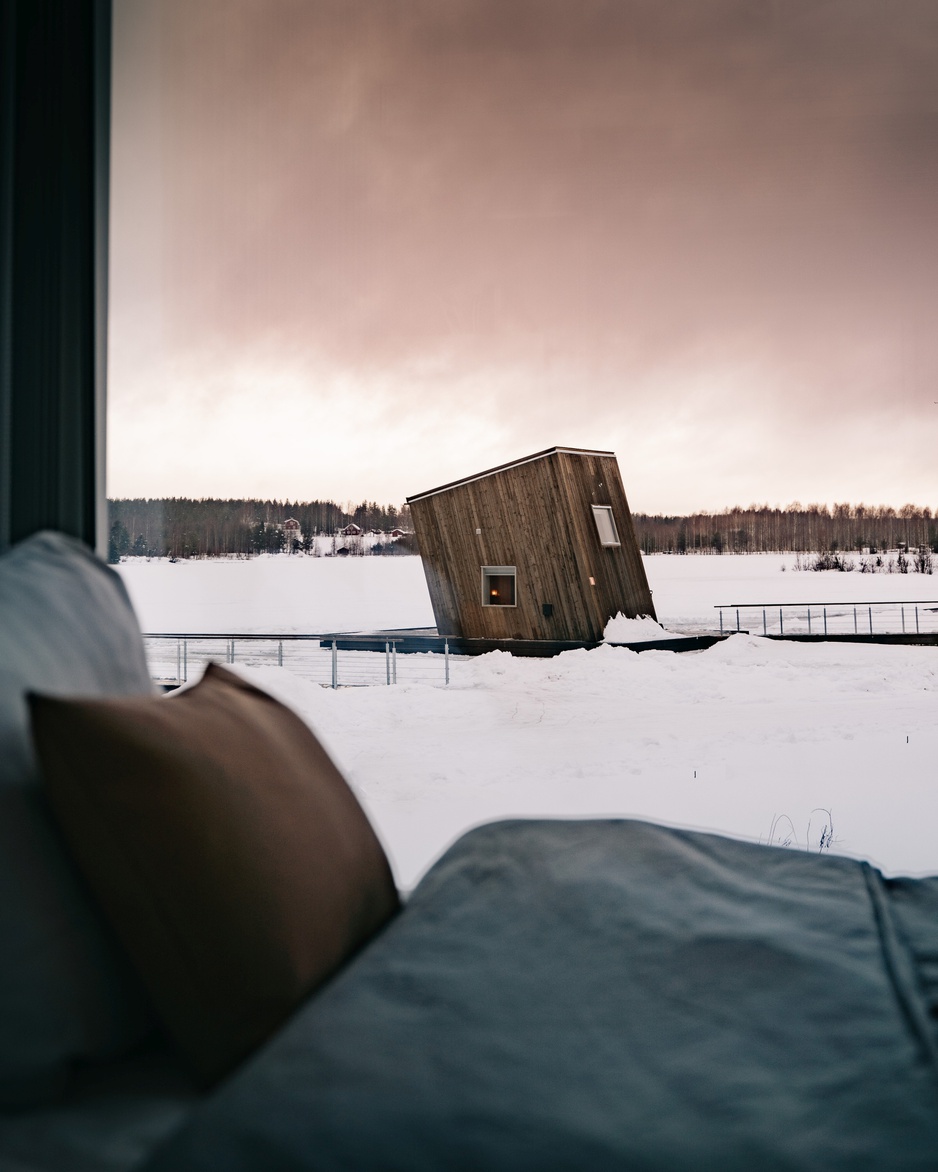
x=292, y=533
x=352, y=530
x=396, y=533
x=542, y=548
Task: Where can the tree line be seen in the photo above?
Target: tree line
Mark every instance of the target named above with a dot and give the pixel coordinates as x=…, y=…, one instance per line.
x=794, y=529
x=180, y=527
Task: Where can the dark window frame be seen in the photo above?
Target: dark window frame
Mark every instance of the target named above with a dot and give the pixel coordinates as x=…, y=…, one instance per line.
x=55, y=75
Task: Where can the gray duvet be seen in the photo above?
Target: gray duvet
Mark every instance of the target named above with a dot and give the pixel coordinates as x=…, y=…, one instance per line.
x=608, y=995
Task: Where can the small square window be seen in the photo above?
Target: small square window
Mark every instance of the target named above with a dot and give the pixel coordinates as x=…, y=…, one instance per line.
x=498, y=586
x=605, y=525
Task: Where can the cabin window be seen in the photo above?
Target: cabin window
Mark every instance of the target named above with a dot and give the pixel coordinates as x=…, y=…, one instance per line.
x=498, y=586
x=605, y=525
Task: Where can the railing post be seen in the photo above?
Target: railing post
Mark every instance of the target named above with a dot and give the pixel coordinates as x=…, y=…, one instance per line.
x=903, y=619
x=394, y=660
x=446, y=660
x=387, y=662
x=825, y=620
x=178, y=661
x=765, y=629
x=871, y=620
x=737, y=619
x=855, y=630
x=916, y=620
x=335, y=665
x=809, y=620
x=280, y=653
x=185, y=660
x=781, y=622
x=721, y=620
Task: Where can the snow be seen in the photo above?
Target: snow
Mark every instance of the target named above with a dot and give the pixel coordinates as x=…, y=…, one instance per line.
x=286, y=594
x=686, y=589
x=640, y=630
x=752, y=738
x=279, y=593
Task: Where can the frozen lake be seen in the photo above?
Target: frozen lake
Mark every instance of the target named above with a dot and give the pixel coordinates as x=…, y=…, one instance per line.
x=303, y=594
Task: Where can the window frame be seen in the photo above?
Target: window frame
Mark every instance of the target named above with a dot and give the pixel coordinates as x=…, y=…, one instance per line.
x=54, y=161
x=605, y=511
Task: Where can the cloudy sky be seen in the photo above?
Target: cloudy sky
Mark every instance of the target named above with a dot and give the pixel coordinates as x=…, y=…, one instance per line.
x=363, y=247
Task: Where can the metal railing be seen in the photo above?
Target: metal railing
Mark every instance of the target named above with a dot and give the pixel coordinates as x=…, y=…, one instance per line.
x=172, y=658
x=830, y=619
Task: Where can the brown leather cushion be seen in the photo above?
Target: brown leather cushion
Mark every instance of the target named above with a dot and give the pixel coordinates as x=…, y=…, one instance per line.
x=231, y=857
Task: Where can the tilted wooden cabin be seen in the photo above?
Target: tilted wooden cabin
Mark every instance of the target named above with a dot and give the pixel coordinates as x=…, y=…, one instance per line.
x=541, y=548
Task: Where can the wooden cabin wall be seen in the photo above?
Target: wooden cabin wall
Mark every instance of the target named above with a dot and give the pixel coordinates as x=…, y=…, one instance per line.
x=621, y=583
x=535, y=516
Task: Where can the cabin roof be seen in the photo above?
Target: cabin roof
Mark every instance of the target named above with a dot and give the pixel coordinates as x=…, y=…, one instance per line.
x=504, y=467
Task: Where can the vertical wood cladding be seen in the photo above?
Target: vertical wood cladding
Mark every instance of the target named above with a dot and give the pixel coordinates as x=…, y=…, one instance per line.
x=534, y=514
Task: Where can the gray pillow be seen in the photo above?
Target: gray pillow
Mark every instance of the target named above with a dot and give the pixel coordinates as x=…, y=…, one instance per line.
x=66, y=992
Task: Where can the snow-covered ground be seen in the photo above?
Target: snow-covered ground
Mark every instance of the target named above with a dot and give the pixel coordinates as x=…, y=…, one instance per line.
x=761, y=740
x=686, y=589
x=640, y=630
x=279, y=593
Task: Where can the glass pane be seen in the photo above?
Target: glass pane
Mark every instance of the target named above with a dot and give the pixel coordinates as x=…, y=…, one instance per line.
x=359, y=249
x=499, y=590
x=605, y=525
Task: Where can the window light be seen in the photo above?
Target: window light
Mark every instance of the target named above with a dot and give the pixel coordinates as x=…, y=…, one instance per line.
x=498, y=586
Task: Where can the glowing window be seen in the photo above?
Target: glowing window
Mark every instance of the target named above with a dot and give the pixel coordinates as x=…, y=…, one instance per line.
x=498, y=586
x=605, y=525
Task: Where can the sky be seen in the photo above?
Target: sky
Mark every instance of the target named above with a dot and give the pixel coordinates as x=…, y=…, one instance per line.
x=360, y=248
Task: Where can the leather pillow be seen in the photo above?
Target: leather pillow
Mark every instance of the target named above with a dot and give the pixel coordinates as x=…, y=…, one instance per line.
x=223, y=844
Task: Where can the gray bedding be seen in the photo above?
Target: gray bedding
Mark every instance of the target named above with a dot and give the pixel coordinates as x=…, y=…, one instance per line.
x=110, y=1119
x=598, y=995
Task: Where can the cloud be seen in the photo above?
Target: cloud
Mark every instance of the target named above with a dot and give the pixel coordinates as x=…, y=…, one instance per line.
x=497, y=213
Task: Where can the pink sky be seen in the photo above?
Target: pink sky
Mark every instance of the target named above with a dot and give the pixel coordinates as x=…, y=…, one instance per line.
x=359, y=248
